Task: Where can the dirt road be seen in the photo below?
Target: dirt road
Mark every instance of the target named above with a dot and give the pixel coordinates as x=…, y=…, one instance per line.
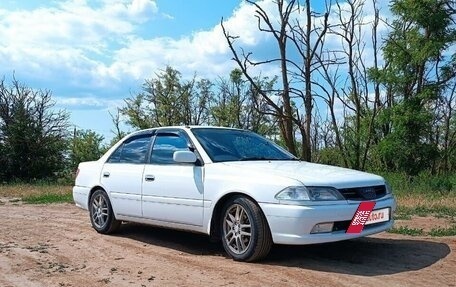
x=54, y=245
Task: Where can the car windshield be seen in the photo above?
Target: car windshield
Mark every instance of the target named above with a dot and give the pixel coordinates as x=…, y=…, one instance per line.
x=238, y=145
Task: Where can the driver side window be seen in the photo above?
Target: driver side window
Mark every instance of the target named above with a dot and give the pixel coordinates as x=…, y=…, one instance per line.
x=164, y=147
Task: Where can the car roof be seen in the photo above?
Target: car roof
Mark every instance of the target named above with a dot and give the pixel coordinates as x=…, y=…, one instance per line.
x=146, y=131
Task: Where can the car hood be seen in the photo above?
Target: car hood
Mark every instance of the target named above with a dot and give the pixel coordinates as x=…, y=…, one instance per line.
x=310, y=174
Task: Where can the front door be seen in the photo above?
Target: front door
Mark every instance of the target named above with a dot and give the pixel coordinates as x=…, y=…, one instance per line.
x=172, y=192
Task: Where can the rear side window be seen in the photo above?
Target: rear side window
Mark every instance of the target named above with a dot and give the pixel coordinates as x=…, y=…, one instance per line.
x=131, y=151
x=164, y=147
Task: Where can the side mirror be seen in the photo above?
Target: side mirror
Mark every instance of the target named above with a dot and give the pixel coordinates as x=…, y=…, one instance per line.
x=184, y=156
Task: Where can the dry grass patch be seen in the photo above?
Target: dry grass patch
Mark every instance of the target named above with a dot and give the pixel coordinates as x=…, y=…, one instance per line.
x=431, y=214
x=39, y=193
x=415, y=200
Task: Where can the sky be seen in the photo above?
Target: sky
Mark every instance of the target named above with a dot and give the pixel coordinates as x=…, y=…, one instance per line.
x=92, y=54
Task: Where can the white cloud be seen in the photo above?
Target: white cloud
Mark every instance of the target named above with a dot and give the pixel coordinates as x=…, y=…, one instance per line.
x=76, y=40
x=72, y=39
x=363, y=29
x=97, y=46
x=203, y=52
x=167, y=16
x=88, y=102
x=136, y=10
x=243, y=23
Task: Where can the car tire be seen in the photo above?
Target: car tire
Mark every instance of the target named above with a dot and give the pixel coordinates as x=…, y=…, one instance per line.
x=244, y=230
x=101, y=214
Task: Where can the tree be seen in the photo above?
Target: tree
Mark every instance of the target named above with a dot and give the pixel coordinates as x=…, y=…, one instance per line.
x=167, y=100
x=346, y=81
x=118, y=132
x=86, y=145
x=236, y=104
x=445, y=129
x=283, y=110
x=292, y=38
x=416, y=76
x=32, y=133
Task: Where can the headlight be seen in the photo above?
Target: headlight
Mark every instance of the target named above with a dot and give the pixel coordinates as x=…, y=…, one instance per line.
x=388, y=187
x=300, y=193
x=293, y=193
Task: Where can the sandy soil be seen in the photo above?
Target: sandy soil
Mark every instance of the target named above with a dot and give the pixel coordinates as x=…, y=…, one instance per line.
x=54, y=245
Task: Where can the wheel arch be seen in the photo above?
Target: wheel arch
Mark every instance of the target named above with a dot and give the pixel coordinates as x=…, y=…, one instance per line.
x=92, y=190
x=215, y=227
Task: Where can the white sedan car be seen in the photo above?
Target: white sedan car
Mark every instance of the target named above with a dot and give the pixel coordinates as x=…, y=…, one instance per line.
x=231, y=184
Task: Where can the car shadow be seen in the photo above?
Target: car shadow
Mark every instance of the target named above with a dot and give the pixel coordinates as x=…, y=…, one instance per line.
x=191, y=243
x=368, y=256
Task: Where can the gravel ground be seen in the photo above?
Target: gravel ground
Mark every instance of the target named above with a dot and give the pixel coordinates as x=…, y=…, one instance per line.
x=54, y=245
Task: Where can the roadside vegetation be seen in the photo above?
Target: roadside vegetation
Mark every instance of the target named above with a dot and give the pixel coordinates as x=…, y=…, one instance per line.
x=425, y=196
x=36, y=193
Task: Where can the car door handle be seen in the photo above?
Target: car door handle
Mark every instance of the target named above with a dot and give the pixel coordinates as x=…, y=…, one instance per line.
x=106, y=174
x=149, y=177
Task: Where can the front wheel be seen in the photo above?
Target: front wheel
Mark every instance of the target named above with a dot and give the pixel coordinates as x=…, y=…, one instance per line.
x=101, y=214
x=245, y=232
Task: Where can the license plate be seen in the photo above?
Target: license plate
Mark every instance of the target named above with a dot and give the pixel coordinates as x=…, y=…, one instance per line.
x=379, y=215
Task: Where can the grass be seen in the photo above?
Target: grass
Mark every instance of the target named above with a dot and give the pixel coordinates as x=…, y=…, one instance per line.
x=48, y=198
x=405, y=230
x=37, y=193
x=440, y=211
x=424, y=196
x=434, y=232
x=442, y=206
x=443, y=231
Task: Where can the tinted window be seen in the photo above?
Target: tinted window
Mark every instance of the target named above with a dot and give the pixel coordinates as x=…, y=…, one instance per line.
x=237, y=145
x=115, y=156
x=131, y=151
x=164, y=147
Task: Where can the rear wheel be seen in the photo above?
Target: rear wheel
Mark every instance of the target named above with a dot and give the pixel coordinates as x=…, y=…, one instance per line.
x=101, y=214
x=245, y=232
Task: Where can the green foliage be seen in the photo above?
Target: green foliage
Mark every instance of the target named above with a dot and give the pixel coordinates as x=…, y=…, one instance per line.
x=331, y=156
x=237, y=104
x=86, y=145
x=32, y=134
x=423, y=183
x=168, y=100
x=415, y=77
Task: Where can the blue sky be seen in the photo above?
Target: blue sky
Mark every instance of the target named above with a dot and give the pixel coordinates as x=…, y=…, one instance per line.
x=92, y=54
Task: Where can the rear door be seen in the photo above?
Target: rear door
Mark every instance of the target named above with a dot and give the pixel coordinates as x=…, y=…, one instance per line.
x=122, y=175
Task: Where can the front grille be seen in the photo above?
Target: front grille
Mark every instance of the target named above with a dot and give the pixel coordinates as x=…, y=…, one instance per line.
x=363, y=193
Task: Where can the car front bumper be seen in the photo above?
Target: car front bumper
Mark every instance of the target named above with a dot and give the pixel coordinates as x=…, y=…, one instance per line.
x=292, y=224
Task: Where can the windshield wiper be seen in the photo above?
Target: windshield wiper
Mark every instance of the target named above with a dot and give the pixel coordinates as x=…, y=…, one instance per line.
x=252, y=158
x=247, y=158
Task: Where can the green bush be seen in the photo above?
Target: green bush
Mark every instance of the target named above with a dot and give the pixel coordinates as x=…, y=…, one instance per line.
x=424, y=183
